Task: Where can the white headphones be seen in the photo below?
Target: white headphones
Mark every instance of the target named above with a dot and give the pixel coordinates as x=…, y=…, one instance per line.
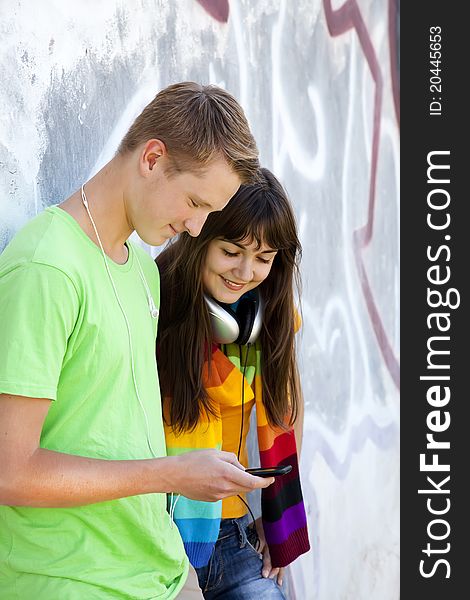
x=241, y=325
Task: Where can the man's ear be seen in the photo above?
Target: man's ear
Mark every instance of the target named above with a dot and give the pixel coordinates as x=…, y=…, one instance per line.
x=151, y=152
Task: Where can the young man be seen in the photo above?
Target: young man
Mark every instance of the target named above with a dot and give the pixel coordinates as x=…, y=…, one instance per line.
x=84, y=469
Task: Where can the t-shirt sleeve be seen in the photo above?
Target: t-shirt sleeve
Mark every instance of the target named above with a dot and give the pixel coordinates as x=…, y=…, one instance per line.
x=38, y=311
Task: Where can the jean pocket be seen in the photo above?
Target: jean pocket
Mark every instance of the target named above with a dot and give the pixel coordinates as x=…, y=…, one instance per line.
x=213, y=572
x=252, y=540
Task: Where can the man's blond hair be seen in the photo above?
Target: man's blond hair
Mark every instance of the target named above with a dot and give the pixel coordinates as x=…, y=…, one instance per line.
x=197, y=123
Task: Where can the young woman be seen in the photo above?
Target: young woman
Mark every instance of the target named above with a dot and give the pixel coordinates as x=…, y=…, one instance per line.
x=226, y=344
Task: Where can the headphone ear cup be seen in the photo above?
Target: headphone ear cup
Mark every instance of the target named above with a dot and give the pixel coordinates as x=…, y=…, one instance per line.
x=225, y=329
x=246, y=313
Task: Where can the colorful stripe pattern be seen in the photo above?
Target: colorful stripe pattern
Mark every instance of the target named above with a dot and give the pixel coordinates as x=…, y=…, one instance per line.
x=283, y=512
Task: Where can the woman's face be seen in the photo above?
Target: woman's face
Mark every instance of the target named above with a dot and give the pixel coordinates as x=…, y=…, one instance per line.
x=233, y=268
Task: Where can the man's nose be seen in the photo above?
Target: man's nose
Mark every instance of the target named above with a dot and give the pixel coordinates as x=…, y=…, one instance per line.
x=195, y=224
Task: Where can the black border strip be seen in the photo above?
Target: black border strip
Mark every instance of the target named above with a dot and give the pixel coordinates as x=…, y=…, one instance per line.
x=423, y=131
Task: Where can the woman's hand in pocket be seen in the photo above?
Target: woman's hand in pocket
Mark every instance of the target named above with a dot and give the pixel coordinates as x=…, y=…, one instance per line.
x=268, y=570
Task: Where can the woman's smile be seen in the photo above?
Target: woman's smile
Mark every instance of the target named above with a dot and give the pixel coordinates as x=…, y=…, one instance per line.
x=231, y=285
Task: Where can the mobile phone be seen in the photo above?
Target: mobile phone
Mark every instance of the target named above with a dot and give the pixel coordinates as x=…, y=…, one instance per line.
x=270, y=471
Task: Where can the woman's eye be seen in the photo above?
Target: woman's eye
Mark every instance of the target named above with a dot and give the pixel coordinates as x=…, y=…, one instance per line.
x=263, y=260
x=227, y=253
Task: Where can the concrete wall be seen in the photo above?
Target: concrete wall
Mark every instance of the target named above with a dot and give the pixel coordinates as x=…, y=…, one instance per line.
x=318, y=81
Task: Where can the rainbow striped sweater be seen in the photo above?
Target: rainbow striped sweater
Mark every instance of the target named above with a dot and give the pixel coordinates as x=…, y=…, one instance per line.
x=282, y=508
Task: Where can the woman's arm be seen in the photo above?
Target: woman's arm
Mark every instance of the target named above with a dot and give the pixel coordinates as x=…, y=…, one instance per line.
x=299, y=422
x=268, y=571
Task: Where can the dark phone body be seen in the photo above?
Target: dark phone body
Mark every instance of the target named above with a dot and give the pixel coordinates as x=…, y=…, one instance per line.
x=270, y=471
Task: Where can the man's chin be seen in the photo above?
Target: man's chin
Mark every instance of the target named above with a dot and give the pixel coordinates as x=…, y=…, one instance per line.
x=154, y=240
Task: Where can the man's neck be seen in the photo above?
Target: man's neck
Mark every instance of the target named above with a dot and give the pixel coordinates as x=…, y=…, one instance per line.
x=105, y=196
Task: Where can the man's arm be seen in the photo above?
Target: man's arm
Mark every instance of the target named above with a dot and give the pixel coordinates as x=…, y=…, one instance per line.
x=33, y=476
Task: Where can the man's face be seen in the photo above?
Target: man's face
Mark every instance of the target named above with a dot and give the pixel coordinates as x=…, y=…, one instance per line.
x=169, y=205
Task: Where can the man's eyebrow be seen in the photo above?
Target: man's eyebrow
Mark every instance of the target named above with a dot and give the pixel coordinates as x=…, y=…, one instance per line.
x=200, y=201
x=243, y=247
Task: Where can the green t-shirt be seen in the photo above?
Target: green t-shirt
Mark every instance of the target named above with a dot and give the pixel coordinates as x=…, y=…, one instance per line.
x=64, y=337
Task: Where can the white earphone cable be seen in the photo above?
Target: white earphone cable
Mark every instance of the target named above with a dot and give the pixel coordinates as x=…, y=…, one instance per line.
x=154, y=312
x=172, y=507
x=85, y=203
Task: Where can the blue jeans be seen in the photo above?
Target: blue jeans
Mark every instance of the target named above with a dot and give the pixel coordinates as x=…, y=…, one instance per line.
x=234, y=570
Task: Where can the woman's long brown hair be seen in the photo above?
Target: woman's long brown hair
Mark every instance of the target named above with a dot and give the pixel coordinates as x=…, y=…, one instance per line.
x=260, y=212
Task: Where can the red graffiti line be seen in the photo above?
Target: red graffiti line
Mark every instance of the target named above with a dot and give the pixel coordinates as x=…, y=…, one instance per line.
x=339, y=21
x=218, y=9
x=393, y=17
